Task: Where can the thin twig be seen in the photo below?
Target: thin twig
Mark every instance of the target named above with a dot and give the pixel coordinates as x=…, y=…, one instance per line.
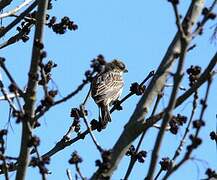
x=2, y=65
x=79, y=172
x=15, y=10
x=44, y=80
x=18, y=19
x=86, y=98
x=151, y=73
x=158, y=174
x=99, y=148
x=180, y=147
x=178, y=21
x=70, y=95
x=171, y=105
x=79, y=88
x=204, y=20
x=5, y=166
x=69, y=174
x=40, y=159
x=181, y=144
x=133, y=158
x=6, y=97
x=202, y=79
x=191, y=148
x=14, y=38
x=72, y=127
x=64, y=142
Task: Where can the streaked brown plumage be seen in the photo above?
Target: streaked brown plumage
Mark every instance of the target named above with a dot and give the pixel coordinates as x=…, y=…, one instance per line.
x=107, y=87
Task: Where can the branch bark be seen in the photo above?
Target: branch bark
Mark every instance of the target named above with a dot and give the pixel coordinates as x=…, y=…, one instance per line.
x=4, y=3
x=18, y=19
x=169, y=110
x=30, y=95
x=13, y=11
x=136, y=124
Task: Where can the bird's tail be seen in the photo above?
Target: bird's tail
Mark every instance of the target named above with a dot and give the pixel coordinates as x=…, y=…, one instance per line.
x=105, y=116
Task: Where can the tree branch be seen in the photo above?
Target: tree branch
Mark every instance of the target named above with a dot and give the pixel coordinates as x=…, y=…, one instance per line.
x=13, y=11
x=31, y=92
x=18, y=19
x=136, y=124
x=169, y=110
x=4, y=3
x=134, y=157
x=191, y=147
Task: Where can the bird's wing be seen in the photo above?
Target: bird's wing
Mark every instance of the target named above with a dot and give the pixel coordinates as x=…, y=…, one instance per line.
x=107, y=87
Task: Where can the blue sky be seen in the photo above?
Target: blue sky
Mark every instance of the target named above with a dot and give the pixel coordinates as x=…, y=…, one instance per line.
x=138, y=32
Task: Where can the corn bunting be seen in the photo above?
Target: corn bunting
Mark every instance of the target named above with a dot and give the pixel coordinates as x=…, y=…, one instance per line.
x=107, y=87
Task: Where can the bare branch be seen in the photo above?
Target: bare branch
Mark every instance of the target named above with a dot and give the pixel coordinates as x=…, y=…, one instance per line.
x=79, y=172
x=14, y=38
x=180, y=147
x=205, y=19
x=4, y=3
x=64, y=142
x=178, y=21
x=18, y=19
x=182, y=98
x=149, y=121
x=203, y=78
x=31, y=92
x=136, y=124
x=168, y=112
x=13, y=11
x=66, y=98
x=69, y=174
x=6, y=96
x=13, y=82
x=133, y=157
x=99, y=148
x=191, y=147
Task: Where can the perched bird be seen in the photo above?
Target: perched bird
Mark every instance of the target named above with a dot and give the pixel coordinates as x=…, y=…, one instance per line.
x=106, y=88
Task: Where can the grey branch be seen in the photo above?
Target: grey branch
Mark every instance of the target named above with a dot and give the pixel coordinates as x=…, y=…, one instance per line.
x=13, y=11
x=136, y=124
x=31, y=92
x=18, y=19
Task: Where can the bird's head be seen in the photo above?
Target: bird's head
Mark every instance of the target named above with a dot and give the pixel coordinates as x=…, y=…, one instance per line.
x=117, y=65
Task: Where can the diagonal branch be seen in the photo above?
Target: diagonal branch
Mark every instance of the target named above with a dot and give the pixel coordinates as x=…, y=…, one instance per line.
x=13, y=11
x=62, y=144
x=169, y=110
x=14, y=38
x=133, y=158
x=4, y=3
x=182, y=98
x=5, y=94
x=18, y=19
x=5, y=69
x=136, y=124
x=191, y=147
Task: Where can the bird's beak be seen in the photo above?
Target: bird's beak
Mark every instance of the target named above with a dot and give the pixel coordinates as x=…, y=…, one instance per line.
x=125, y=71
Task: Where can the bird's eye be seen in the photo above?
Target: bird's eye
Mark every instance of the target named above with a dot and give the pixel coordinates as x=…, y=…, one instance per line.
x=122, y=66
